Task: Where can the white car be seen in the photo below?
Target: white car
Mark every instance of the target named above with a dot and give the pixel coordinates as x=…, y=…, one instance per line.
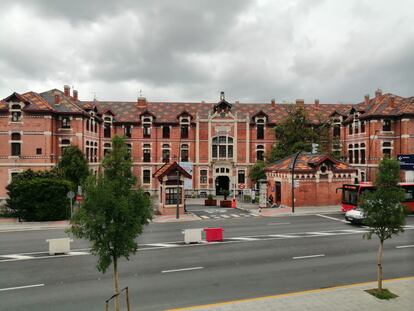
x=355, y=216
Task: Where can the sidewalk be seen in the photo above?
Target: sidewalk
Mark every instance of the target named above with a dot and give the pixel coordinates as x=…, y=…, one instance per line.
x=12, y=224
x=287, y=211
x=341, y=298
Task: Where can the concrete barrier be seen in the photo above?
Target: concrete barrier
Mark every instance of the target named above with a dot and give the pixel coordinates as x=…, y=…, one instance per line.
x=59, y=246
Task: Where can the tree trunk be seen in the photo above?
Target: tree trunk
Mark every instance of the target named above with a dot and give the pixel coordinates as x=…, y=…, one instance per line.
x=116, y=283
x=379, y=261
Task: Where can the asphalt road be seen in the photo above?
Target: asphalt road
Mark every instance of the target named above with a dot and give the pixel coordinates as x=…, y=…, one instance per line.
x=271, y=257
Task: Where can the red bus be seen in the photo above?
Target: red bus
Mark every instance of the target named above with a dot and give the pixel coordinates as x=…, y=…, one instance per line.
x=351, y=194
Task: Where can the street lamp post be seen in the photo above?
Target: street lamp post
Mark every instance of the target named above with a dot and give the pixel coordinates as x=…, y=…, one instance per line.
x=177, y=214
x=293, y=180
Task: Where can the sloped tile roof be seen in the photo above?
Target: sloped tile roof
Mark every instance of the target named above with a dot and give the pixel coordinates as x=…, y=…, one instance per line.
x=307, y=162
x=37, y=103
x=169, y=167
x=67, y=104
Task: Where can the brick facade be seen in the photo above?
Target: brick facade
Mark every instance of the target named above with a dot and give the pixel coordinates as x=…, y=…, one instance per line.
x=218, y=141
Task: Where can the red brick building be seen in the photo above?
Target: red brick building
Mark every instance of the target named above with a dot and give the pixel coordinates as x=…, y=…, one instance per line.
x=215, y=142
x=316, y=178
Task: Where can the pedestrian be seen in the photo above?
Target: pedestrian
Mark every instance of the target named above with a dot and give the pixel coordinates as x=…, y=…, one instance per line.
x=270, y=200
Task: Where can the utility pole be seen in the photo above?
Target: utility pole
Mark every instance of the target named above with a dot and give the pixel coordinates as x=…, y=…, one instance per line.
x=177, y=214
x=293, y=180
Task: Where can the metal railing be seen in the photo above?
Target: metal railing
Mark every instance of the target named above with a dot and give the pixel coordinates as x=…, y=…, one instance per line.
x=115, y=295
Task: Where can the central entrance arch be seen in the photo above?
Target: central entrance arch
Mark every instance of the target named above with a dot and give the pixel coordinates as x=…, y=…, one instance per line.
x=222, y=183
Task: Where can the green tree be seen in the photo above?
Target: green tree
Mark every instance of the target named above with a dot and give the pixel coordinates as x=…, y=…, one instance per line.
x=385, y=215
x=294, y=134
x=39, y=196
x=113, y=214
x=257, y=172
x=73, y=166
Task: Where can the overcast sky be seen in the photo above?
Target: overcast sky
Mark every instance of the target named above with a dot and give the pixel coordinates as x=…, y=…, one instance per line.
x=333, y=50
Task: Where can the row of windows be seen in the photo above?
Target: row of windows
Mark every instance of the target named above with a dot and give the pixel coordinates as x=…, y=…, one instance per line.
x=359, y=127
x=356, y=153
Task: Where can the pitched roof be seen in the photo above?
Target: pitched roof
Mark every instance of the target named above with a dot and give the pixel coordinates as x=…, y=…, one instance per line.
x=66, y=105
x=307, y=162
x=168, y=168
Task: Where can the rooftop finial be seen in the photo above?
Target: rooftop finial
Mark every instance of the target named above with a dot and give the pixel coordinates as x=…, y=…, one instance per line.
x=140, y=93
x=222, y=95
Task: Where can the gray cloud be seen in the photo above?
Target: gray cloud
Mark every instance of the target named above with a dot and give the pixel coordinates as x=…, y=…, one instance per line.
x=190, y=50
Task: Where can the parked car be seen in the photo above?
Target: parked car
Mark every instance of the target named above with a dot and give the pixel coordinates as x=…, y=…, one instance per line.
x=355, y=216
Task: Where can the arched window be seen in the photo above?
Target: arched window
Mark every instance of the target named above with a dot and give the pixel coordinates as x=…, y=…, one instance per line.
x=222, y=147
x=362, y=153
x=16, y=144
x=146, y=127
x=184, y=153
x=356, y=154
x=260, y=129
x=16, y=113
x=184, y=125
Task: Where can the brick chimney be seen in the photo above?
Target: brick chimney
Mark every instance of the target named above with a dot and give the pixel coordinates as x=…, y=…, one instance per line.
x=273, y=102
x=317, y=102
x=378, y=93
x=366, y=99
x=66, y=90
x=75, y=94
x=142, y=102
x=57, y=98
x=300, y=102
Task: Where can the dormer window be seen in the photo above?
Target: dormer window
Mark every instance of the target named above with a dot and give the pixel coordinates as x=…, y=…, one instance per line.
x=16, y=113
x=107, y=127
x=165, y=131
x=146, y=127
x=386, y=125
x=128, y=131
x=66, y=122
x=184, y=125
x=260, y=128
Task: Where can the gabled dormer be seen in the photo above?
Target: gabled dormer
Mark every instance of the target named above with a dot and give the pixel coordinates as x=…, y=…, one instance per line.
x=223, y=106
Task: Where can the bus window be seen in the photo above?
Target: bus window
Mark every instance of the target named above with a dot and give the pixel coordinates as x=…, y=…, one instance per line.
x=349, y=196
x=408, y=193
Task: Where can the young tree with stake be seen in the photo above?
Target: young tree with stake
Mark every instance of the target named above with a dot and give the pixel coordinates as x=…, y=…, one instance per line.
x=385, y=215
x=113, y=214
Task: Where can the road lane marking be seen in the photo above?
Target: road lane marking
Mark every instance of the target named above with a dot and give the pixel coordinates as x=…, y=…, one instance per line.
x=225, y=216
x=332, y=218
x=78, y=253
x=244, y=239
x=282, y=236
x=21, y=287
x=404, y=246
x=204, y=217
x=235, y=215
x=184, y=269
x=16, y=256
x=277, y=223
x=321, y=233
x=162, y=245
x=309, y=256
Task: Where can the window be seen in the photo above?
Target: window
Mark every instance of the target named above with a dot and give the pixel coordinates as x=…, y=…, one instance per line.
x=165, y=132
x=356, y=128
x=147, y=152
x=127, y=131
x=87, y=125
x=16, y=113
x=241, y=178
x=146, y=176
x=350, y=129
x=171, y=195
x=260, y=129
x=96, y=129
x=16, y=144
x=184, y=153
x=66, y=122
x=362, y=153
x=184, y=131
x=222, y=147
x=336, y=131
x=107, y=148
x=203, y=176
x=107, y=130
x=129, y=148
x=165, y=153
x=386, y=149
x=356, y=154
x=38, y=151
x=146, y=127
x=63, y=145
x=350, y=153
x=386, y=125
x=362, y=126
x=260, y=153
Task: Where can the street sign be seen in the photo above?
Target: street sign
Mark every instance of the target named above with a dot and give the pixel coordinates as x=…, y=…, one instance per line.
x=79, y=198
x=70, y=195
x=296, y=184
x=406, y=161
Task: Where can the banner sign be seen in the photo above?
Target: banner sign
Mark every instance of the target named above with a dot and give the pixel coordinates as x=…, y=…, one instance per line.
x=406, y=161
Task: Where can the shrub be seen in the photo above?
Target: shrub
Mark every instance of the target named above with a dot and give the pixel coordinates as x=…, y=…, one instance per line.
x=39, y=196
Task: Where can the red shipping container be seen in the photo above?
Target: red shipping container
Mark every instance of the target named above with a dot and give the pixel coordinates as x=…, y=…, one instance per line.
x=214, y=234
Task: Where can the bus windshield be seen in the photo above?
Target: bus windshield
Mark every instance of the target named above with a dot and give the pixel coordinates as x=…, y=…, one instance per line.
x=350, y=196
